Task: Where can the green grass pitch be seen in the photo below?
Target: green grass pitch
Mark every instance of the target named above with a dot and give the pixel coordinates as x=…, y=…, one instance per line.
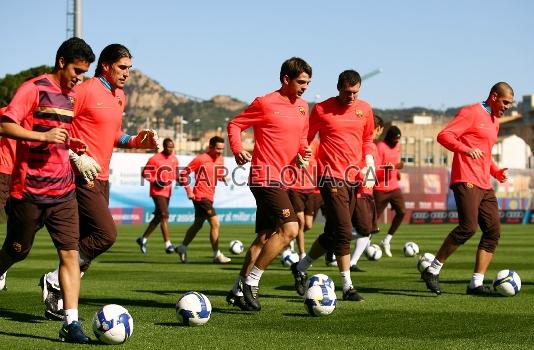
x=398, y=311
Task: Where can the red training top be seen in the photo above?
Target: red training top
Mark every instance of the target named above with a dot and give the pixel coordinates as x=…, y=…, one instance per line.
x=207, y=171
x=160, y=171
x=346, y=134
x=388, y=179
x=8, y=148
x=42, y=172
x=472, y=127
x=280, y=129
x=307, y=178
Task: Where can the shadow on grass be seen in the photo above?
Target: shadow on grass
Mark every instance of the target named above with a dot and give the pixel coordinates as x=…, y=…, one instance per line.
x=30, y=336
x=232, y=311
x=303, y=315
x=20, y=317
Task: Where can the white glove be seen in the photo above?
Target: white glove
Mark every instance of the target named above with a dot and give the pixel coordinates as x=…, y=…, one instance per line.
x=86, y=165
x=301, y=162
x=369, y=172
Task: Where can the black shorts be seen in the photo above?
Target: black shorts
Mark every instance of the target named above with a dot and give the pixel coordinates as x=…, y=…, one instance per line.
x=273, y=208
x=161, y=206
x=5, y=182
x=304, y=201
x=364, y=214
x=204, y=209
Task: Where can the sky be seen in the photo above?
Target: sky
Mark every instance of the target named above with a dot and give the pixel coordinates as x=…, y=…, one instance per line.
x=434, y=54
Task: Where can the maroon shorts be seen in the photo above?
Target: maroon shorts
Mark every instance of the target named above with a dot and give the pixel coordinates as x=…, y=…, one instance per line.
x=476, y=206
x=273, y=208
x=364, y=216
x=26, y=218
x=97, y=228
x=161, y=207
x=204, y=208
x=394, y=197
x=307, y=202
x=339, y=202
x=5, y=182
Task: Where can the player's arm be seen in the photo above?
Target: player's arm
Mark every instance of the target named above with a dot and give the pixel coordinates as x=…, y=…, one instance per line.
x=252, y=115
x=184, y=177
x=313, y=124
x=449, y=137
x=499, y=174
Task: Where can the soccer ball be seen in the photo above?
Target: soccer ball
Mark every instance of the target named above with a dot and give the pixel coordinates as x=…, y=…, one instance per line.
x=320, y=279
x=320, y=300
x=411, y=249
x=424, y=261
x=507, y=283
x=113, y=324
x=289, y=257
x=193, y=309
x=236, y=247
x=373, y=252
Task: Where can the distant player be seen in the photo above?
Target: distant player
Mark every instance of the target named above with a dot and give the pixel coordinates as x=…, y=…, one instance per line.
x=388, y=191
x=43, y=189
x=208, y=168
x=160, y=171
x=471, y=135
x=280, y=123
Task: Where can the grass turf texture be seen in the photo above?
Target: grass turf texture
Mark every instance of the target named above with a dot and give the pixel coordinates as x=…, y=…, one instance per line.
x=398, y=311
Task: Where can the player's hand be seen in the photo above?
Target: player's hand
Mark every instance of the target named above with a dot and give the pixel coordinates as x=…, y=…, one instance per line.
x=242, y=157
x=191, y=196
x=77, y=146
x=475, y=153
x=55, y=135
x=301, y=161
x=502, y=175
x=369, y=178
x=145, y=139
x=87, y=166
x=400, y=165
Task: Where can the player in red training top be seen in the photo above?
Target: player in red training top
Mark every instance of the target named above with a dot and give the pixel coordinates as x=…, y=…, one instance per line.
x=387, y=190
x=471, y=135
x=160, y=171
x=208, y=168
x=364, y=216
x=98, y=111
x=280, y=123
x=7, y=157
x=43, y=189
x=345, y=125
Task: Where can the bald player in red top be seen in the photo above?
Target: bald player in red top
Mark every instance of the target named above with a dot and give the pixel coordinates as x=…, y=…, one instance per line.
x=471, y=135
x=280, y=123
x=345, y=125
x=99, y=107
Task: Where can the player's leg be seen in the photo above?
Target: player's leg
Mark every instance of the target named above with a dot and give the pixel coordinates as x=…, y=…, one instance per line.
x=191, y=233
x=362, y=221
x=397, y=204
x=218, y=256
x=164, y=224
x=156, y=219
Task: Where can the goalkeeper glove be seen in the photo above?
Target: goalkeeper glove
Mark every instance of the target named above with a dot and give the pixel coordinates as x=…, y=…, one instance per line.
x=86, y=165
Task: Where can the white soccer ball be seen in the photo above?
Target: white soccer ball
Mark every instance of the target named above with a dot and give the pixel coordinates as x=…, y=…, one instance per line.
x=507, y=283
x=320, y=300
x=236, y=247
x=373, y=252
x=113, y=324
x=289, y=257
x=424, y=261
x=193, y=309
x=411, y=249
x=320, y=279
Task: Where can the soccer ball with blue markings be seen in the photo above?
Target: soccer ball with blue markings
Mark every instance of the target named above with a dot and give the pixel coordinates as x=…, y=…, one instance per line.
x=373, y=252
x=320, y=300
x=113, y=324
x=193, y=309
x=236, y=247
x=411, y=249
x=289, y=257
x=320, y=279
x=507, y=283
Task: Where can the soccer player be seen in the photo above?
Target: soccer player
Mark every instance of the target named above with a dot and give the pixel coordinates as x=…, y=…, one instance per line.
x=364, y=218
x=388, y=189
x=160, y=171
x=280, y=123
x=345, y=125
x=43, y=189
x=98, y=111
x=208, y=168
x=471, y=135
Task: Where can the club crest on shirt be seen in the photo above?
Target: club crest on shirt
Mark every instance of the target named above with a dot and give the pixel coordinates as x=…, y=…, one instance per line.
x=286, y=213
x=71, y=99
x=302, y=110
x=359, y=113
x=119, y=100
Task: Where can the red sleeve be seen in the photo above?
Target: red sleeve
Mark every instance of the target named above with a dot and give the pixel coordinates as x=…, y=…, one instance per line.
x=251, y=116
x=304, y=138
x=23, y=103
x=192, y=167
x=149, y=170
x=367, y=144
x=449, y=136
x=494, y=169
x=313, y=125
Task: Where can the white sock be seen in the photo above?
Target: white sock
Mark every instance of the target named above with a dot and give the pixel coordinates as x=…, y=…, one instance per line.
x=236, y=288
x=216, y=253
x=361, y=245
x=71, y=315
x=53, y=278
x=477, y=280
x=435, y=267
x=302, y=256
x=304, y=263
x=387, y=239
x=254, y=276
x=167, y=244
x=347, y=281
x=144, y=240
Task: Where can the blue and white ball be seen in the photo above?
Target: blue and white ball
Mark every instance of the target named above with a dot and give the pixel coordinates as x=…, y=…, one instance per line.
x=411, y=249
x=425, y=261
x=236, y=247
x=320, y=279
x=113, y=324
x=289, y=257
x=193, y=309
x=320, y=300
x=373, y=252
x=507, y=283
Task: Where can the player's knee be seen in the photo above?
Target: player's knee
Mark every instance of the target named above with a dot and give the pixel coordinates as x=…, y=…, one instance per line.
x=401, y=213
x=17, y=253
x=489, y=241
x=157, y=218
x=462, y=234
